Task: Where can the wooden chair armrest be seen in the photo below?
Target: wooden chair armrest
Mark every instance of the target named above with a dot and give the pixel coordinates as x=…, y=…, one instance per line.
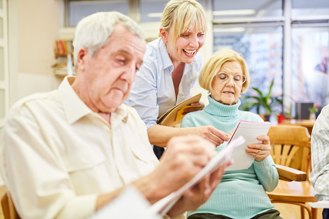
x=290, y=174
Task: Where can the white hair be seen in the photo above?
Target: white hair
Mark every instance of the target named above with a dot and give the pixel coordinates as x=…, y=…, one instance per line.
x=93, y=31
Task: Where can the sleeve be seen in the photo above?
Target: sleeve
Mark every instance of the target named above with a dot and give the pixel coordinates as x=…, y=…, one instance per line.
x=35, y=175
x=143, y=95
x=320, y=156
x=267, y=173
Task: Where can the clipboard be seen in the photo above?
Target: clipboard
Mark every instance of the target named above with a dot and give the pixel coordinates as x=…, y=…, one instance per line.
x=249, y=131
x=169, y=117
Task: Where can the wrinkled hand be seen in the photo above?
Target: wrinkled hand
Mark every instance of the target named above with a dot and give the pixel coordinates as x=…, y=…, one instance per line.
x=184, y=158
x=212, y=134
x=230, y=133
x=192, y=109
x=260, y=150
x=199, y=194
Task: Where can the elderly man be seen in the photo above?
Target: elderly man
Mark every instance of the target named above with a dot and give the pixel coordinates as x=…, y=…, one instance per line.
x=320, y=158
x=67, y=153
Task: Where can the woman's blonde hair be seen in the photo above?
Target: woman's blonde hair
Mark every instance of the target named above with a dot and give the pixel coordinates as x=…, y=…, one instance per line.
x=183, y=15
x=214, y=65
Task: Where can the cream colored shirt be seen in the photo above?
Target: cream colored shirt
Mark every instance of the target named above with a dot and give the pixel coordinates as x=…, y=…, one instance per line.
x=57, y=155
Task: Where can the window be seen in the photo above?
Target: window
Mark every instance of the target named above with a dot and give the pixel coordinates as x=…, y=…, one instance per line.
x=307, y=8
x=261, y=48
x=242, y=8
x=309, y=75
x=300, y=25
x=80, y=9
x=151, y=10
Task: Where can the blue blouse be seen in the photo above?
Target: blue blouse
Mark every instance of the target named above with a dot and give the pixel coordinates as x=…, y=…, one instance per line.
x=153, y=92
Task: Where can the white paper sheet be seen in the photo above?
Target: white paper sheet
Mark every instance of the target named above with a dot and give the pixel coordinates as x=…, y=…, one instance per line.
x=129, y=204
x=250, y=131
x=222, y=157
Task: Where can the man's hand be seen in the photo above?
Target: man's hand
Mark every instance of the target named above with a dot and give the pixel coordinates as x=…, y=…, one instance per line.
x=199, y=194
x=184, y=158
x=192, y=109
x=212, y=134
x=261, y=150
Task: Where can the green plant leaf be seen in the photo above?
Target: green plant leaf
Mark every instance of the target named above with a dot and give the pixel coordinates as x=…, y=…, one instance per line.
x=258, y=91
x=269, y=90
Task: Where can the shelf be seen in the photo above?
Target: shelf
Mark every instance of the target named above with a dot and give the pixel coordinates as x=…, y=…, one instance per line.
x=62, y=72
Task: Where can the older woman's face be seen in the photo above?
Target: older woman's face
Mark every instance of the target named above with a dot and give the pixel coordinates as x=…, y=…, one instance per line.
x=227, y=84
x=186, y=46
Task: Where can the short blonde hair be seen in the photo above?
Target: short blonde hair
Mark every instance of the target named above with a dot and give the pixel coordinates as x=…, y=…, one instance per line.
x=183, y=15
x=214, y=65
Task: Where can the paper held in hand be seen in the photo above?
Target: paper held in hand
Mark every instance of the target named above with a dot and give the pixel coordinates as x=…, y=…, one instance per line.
x=221, y=158
x=250, y=131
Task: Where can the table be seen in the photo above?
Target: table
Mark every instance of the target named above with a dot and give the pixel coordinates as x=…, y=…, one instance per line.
x=301, y=122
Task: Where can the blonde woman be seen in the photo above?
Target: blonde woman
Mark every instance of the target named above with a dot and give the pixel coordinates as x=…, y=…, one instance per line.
x=170, y=69
x=241, y=193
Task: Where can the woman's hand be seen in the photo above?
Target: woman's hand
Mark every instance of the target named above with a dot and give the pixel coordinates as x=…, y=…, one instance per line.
x=192, y=109
x=212, y=134
x=260, y=150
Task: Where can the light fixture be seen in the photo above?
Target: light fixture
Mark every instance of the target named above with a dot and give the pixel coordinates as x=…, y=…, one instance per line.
x=154, y=14
x=233, y=29
x=234, y=12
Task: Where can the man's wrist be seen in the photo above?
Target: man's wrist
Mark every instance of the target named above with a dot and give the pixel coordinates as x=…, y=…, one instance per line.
x=149, y=188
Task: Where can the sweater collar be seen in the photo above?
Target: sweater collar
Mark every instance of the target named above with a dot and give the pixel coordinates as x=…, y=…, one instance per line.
x=219, y=109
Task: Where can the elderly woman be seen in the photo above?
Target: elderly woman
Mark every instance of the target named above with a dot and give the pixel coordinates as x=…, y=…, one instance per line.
x=241, y=194
x=170, y=69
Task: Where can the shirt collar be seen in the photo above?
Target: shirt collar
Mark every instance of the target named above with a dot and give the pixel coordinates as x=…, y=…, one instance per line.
x=75, y=108
x=164, y=55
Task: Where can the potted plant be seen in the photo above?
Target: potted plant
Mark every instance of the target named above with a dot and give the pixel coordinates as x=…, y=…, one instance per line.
x=313, y=110
x=265, y=101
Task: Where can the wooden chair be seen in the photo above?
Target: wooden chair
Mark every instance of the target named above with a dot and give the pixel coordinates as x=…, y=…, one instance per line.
x=291, y=147
x=8, y=207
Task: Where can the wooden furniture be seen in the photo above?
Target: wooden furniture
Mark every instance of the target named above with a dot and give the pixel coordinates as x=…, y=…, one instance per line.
x=8, y=207
x=300, y=122
x=291, y=147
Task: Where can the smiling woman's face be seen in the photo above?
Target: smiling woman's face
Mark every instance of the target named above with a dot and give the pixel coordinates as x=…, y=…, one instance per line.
x=186, y=46
x=228, y=92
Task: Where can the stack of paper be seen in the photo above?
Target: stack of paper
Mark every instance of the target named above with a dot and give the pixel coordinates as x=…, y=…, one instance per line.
x=250, y=131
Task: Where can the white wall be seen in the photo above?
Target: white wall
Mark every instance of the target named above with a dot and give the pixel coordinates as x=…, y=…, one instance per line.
x=33, y=27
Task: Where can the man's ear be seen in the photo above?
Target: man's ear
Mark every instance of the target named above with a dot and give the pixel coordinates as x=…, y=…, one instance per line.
x=163, y=35
x=81, y=58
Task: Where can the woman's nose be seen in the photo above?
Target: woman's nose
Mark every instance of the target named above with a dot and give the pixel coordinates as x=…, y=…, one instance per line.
x=230, y=81
x=194, y=42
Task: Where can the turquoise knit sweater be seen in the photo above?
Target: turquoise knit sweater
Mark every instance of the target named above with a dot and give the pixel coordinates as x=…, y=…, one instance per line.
x=241, y=193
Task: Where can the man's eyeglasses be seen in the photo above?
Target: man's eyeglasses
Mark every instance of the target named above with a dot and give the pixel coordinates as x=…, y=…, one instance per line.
x=238, y=79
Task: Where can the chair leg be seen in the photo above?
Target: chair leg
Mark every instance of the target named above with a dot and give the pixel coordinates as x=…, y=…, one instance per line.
x=302, y=215
x=314, y=213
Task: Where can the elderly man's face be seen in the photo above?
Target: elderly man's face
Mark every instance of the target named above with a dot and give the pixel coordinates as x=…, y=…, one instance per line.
x=111, y=71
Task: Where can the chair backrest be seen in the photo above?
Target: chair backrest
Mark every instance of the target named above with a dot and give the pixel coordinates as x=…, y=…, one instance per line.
x=291, y=146
x=8, y=207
